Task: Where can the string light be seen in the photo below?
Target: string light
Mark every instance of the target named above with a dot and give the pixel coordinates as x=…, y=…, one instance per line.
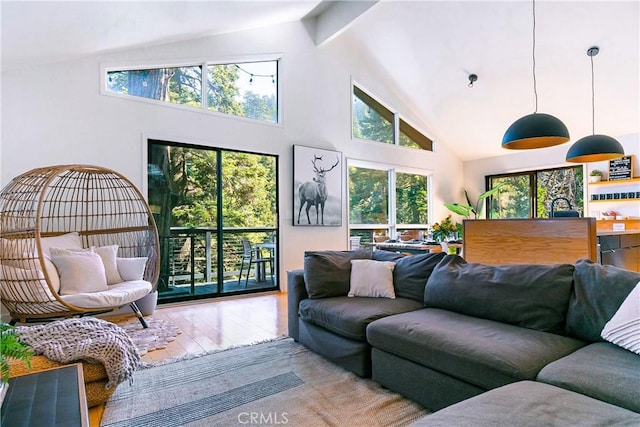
x=252, y=75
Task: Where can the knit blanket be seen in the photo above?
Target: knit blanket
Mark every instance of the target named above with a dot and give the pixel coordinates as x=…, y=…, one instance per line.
x=85, y=338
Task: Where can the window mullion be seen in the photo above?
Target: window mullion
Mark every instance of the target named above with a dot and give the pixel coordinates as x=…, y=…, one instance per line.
x=396, y=129
x=392, y=203
x=205, y=85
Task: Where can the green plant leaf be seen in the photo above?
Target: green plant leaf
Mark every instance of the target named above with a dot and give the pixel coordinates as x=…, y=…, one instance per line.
x=486, y=194
x=12, y=348
x=464, y=210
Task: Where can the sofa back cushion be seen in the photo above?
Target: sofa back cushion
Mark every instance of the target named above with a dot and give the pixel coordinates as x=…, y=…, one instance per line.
x=328, y=273
x=598, y=292
x=527, y=295
x=411, y=272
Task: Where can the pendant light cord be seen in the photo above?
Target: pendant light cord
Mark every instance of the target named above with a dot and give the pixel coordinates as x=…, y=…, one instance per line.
x=535, y=88
x=593, y=100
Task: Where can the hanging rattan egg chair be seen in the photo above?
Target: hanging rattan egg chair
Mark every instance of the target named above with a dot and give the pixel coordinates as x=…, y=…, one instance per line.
x=77, y=208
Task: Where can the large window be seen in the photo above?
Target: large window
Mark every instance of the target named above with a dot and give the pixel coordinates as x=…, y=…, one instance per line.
x=385, y=201
x=530, y=194
x=248, y=89
x=209, y=204
x=373, y=121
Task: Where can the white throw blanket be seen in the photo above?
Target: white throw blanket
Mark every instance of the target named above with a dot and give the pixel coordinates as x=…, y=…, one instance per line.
x=86, y=338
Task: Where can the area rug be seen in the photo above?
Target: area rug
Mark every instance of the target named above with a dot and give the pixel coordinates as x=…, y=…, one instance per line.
x=159, y=333
x=275, y=383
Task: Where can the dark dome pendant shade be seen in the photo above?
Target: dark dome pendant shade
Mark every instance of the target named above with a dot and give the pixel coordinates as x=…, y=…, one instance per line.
x=594, y=148
x=537, y=130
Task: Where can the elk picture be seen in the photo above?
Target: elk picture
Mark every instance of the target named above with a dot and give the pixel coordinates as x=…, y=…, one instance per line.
x=314, y=193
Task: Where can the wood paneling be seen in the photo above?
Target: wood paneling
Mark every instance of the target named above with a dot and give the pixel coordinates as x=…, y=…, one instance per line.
x=530, y=241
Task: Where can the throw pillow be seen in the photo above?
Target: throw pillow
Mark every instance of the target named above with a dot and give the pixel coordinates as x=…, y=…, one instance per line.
x=81, y=272
x=533, y=296
x=598, y=292
x=371, y=278
x=131, y=268
x=64, y=241
x=328, y=273
x=108, y=255
x=623, y=329
x=26, y=261
x=31, y=282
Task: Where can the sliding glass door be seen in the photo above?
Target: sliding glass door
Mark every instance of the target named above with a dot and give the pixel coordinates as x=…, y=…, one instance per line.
x=216, y=212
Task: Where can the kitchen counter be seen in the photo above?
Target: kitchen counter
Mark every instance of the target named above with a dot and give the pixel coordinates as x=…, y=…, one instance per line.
x=616, y=233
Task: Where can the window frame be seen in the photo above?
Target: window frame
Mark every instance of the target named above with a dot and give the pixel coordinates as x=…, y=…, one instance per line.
x=392, y=170
x=533, y=187
x=105, y=68
x=391, y=114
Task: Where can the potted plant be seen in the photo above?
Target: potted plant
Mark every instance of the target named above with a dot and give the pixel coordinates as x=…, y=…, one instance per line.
x=468, y=209
x=595, y=176
x=11, y=348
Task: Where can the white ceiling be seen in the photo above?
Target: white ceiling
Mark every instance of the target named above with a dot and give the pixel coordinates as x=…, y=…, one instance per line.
x=427, y=48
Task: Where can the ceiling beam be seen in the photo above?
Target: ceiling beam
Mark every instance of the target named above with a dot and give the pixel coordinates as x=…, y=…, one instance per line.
x=330, y=18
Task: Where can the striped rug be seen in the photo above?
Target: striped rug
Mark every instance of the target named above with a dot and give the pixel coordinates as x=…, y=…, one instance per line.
x=275, y=383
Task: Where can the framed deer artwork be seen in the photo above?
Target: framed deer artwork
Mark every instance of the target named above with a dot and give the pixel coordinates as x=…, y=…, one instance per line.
x=317, y=187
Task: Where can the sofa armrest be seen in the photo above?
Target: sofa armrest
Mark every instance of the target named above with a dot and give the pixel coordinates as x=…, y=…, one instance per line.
x=296, y=292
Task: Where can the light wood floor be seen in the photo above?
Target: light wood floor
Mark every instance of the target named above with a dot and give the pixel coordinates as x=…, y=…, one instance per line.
x=215, y=324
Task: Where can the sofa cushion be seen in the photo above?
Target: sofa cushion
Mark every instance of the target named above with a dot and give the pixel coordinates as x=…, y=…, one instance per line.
x=529, y=404
x=349, y=316
x=532, y=296
x=598, y=292
x=600, y=370
x=328, y=273
x=371, y=278
x=481, y=352
x=411, y=272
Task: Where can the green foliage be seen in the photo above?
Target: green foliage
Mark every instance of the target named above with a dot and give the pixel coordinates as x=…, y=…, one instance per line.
x=369, y=125
x=467, y=209
x=368, y=196
x=12, y=348
x=411, y=199
x=596, y=172
x=515, y=199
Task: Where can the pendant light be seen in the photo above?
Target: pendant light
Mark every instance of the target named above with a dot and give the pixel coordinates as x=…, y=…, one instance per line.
x=594, y=148
x=537, y=130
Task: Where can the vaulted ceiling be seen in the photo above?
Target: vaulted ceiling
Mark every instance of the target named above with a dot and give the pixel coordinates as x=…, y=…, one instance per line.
x=426, y=48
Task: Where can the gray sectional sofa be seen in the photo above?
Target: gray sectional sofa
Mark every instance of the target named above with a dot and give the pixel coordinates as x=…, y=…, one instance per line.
x=457, y=330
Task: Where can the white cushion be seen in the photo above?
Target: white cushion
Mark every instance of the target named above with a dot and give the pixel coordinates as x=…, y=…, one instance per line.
x=371, y=278
x=131, y=268
x=117, y=295
x=623, y=329
x=27, y=283
x=64, y=241
x=30, y=261
x=80, y=272
x=108, y=255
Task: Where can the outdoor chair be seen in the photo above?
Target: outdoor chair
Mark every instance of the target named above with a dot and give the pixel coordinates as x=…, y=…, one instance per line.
x=86, y=213
x=252, y=256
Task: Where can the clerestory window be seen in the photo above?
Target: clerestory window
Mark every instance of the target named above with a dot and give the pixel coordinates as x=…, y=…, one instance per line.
x=247, y=89
x=373, y=121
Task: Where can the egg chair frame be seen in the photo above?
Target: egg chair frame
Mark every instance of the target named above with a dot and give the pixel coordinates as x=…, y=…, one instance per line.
x=100, y=204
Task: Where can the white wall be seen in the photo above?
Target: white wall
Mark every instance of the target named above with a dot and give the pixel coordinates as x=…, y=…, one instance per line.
x=55, y=114
x=475, y=171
